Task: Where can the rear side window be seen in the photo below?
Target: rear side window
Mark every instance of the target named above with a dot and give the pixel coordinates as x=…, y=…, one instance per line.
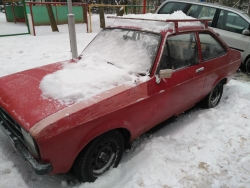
x=169, y=8
x=232, y=22
x=202, y=12
x=210, y=47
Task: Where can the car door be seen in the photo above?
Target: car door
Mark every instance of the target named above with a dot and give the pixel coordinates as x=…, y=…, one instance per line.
x=171, y=96
x=230, y=26
x=214, y=60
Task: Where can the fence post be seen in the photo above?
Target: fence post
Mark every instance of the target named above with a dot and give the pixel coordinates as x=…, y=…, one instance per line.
x=52, y=19
x=90, y=21
x=86, y=17
x=83, y=14
x=102, y=17
x=30, y=24
x=32, y=18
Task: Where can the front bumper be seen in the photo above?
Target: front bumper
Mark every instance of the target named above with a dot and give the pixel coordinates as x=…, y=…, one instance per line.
x=38, y=168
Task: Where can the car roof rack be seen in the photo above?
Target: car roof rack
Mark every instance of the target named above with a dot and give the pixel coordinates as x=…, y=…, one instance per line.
x=175, y=21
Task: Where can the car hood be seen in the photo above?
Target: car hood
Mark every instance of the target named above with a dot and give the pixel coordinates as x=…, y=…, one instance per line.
x=21, y=98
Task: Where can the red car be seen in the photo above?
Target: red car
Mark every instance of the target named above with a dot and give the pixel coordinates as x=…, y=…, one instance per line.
x=159, y=73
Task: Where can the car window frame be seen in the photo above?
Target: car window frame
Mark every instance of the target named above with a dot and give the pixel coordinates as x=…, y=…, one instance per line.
x=186, y=7
x=216, y=15
x=165, y=43
x=228, y=11
x=224, y=46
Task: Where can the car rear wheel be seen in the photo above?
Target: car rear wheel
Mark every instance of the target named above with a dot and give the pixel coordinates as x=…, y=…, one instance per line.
x=101, y=154
x=213, y=98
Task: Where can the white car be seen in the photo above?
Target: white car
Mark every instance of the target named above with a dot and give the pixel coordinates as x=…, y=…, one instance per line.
x=231, y=24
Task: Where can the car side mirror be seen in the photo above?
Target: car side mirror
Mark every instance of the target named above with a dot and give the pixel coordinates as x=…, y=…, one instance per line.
x=165, y=73
x=245, y=32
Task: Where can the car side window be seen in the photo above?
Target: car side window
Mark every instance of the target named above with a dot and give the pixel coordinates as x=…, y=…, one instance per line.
x=194, y=11
x=170, y=7
x=180, y=51
x=230, y=21
x=202, y=12
x=210, y=47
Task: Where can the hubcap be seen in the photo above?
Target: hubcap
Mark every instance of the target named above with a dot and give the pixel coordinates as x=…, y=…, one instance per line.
x=104, y=157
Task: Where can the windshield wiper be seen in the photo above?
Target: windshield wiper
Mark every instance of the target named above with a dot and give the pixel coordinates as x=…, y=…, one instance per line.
x=110, y=63
x=114, y=65
x=138, y=74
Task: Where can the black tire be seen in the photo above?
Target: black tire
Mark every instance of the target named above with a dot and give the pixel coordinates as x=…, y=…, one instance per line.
x=247, y=66
x=213, y=98
x=242, y=67
x=100, y=155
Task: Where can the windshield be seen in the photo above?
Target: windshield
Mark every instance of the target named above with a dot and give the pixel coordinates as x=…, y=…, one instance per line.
x=131, y=50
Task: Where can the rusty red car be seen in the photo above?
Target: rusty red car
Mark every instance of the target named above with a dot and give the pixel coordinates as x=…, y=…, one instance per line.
x=176, y=67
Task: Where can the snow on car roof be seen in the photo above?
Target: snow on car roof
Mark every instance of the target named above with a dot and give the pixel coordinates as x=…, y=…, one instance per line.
x=155, y=26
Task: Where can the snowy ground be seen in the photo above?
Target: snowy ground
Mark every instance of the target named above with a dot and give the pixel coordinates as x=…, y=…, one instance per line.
x=200, y=148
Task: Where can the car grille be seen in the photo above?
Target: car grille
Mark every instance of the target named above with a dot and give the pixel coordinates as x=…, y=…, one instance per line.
x=11, y=125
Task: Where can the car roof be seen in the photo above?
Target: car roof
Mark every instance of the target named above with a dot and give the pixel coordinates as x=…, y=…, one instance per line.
x=208, y=4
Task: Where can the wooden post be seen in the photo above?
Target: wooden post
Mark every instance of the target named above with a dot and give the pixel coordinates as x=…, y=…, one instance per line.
x=84, y=18
x=13, y=11
x=102, y=17
x=144, y=6
x=52, y=18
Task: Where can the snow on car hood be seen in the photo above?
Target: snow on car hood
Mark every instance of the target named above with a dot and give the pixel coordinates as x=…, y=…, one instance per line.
x=83, y=80
x=22, y=99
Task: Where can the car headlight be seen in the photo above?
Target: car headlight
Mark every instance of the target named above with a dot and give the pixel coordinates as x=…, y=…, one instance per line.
x=30, y=143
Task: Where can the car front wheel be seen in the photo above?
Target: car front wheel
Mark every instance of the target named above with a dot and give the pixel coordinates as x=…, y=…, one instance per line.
x=213, y=98
x=101, y=154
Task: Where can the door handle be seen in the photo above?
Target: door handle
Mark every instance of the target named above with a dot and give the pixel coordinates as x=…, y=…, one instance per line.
x=200, y=70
